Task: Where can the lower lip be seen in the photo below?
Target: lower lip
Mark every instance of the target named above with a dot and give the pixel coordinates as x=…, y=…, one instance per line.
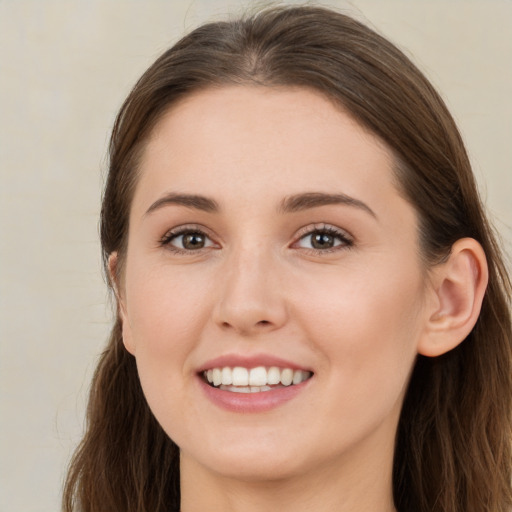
x=252, y=402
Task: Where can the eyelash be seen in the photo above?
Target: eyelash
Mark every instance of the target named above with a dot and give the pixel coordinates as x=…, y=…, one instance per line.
x=180, y=231
x=346, y=241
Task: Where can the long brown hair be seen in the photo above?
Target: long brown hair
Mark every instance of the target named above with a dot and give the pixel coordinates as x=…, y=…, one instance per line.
x=453, y=444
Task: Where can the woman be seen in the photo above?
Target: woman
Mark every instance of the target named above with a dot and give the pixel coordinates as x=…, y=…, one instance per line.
x=312, y=309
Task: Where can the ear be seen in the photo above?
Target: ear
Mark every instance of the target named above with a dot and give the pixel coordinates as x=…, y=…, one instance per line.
x=113, y=262
x=458, y=288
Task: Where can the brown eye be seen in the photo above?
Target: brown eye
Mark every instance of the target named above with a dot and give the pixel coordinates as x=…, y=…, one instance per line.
x=325, y=239
x=322, y=241
x=187, y=240
x=193, y=241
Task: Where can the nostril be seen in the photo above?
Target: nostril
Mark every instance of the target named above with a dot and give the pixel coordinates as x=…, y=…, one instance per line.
x=261, y=324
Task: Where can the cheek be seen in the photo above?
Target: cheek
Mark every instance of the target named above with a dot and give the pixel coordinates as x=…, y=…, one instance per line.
x=164, y=315
x=165, y=311
x=164, y=308
x=367, y=324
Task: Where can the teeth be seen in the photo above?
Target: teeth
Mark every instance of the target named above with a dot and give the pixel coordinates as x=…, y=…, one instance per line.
x=258, y=376
x=227, y=376
x=254, y=380
x=298, y=377
x=217, y=376
x=240, y=376
x=245, y=389
x=274, y=375
x=286, y=377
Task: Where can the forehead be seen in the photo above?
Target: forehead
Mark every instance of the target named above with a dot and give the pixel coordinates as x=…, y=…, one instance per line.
x=256, y=133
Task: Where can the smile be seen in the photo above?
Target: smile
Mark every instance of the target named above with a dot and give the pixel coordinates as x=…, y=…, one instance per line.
x=254, y=380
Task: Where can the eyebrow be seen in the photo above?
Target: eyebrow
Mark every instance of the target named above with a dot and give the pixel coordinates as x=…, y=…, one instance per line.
x=300, y=202
x=189, y=200
x=290, y=204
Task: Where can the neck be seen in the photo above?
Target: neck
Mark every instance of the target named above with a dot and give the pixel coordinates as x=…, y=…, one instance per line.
x=332, y=487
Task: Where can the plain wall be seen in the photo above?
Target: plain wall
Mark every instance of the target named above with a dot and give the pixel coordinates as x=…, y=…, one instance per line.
x=65, y=67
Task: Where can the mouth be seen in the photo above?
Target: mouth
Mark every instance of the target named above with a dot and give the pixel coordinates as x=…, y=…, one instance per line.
x=260, y=379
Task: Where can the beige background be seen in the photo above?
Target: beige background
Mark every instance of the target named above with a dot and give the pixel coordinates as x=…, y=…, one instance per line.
x=65, y=67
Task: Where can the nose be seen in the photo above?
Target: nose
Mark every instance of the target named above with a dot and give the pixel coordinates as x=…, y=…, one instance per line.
x=252, y=300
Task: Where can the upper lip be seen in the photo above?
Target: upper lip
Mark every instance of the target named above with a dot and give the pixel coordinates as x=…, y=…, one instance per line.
x=252, y=361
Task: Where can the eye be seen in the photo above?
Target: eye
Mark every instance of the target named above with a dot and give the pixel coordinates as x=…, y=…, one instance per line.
x=324, y=239
x=187, y=240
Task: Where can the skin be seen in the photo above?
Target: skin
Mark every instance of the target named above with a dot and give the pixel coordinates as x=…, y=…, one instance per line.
x=356, y=315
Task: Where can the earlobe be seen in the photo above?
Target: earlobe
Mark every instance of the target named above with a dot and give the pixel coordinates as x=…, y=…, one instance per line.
x=458, y=289
x=113, y=271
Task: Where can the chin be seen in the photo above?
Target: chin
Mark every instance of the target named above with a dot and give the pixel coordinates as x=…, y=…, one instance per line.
x=256, y=470
x=249, y=462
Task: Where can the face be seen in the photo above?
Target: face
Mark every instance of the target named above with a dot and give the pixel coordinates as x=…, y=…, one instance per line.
x=266, y=232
